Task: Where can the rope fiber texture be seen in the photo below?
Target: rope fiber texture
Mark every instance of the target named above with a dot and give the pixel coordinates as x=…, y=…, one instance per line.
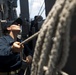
x=52, y=45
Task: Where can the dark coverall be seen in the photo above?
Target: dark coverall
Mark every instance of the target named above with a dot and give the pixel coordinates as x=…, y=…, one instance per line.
x=9, y=61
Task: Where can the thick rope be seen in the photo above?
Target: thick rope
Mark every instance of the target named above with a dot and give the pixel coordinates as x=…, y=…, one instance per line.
x=65, y=17
x=44, y=40
x=40, y=42
x=48, y=38
x=69, y=14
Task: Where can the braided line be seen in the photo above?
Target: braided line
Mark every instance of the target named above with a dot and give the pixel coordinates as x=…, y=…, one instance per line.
x=54, y=52
x=47, y=40
x=39, y=43
x=66, y=43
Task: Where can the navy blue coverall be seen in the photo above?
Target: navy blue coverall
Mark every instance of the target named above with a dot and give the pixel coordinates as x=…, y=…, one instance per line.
x=9, y=61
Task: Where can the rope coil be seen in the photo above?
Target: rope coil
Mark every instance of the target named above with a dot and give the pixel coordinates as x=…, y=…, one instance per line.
x=48, y=44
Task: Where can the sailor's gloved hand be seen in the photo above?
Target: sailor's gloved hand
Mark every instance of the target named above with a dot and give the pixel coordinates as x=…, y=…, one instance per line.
x=17, y=47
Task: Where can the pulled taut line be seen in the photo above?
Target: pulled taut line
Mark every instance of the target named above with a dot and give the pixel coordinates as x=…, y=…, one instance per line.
x=30, y=38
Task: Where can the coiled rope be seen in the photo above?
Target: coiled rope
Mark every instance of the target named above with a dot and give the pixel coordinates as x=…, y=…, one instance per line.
x=52, y=45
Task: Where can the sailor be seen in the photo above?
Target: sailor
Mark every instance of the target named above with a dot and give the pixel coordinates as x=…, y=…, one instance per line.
x=10, y=48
